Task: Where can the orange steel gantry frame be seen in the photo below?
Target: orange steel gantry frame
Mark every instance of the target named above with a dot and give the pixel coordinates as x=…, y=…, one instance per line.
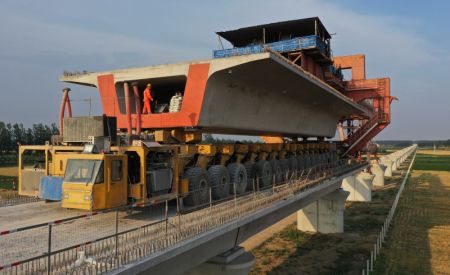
x=375, y=91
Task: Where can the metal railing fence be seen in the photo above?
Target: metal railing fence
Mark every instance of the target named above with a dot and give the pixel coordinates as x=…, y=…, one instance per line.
x=387, y=222
x=102, y=241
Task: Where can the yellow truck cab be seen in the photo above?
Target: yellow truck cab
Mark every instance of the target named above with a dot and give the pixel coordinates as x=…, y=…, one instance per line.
x=95, y=181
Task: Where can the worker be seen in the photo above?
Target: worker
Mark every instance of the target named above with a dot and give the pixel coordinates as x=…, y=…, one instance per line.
x=147, y=99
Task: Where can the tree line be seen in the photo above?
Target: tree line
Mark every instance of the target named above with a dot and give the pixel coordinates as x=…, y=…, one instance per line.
x=11, y=135
x=420, y=143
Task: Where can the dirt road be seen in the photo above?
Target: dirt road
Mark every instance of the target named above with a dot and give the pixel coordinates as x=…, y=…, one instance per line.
x=9, y=171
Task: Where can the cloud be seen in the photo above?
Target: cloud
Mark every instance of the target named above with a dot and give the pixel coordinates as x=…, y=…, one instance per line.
x=41, y=46
x=30, y=39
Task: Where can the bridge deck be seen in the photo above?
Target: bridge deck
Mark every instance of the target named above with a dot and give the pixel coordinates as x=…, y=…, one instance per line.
x=149, y=242
x=187, y=254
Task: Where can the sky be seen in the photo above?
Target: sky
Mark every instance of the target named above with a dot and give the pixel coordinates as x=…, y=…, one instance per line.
x=407, y=41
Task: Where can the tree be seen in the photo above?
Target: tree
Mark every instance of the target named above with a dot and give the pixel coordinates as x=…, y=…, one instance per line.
x=3, y=137
x=12, y=135
x=10, y=145
x=54, y=129
x=6, y=143
x=29, y=138
x=18, y=133
x=208, y=138
x=41, y=133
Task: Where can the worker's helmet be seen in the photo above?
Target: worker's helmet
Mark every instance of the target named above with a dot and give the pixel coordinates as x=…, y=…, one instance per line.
x=149, y=85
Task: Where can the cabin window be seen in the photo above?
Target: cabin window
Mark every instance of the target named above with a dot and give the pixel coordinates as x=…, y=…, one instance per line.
x=82, y=170
x=100, y=175
x=116, y=170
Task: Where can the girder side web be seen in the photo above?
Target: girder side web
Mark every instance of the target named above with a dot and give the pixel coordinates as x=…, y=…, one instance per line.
x=264, y=97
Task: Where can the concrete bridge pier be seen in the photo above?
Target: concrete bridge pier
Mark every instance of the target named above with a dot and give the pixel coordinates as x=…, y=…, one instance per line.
x=388, y=163
x=235, y=261
x=359, y=185
x=378, y=169
x=394, y=164
x=326, y=215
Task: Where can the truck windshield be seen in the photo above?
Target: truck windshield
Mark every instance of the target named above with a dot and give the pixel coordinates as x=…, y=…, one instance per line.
x=83, y=171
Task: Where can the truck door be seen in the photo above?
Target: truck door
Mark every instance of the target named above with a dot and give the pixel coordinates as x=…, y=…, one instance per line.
x=116, y=180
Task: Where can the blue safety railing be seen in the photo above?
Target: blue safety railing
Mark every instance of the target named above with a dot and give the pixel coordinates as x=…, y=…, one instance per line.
x=299, y=43
x=337, y=72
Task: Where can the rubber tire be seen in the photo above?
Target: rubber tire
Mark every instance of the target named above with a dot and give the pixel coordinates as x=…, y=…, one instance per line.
x=315, y=159
x=324, y=158
x=301, y=162
x=198, y=180
x=285, y=166
x=220, y=181
x=264, y=173
x=308, y=162
x=238, y=176
x=250, y=167
x=293, y=165
x=277, y=169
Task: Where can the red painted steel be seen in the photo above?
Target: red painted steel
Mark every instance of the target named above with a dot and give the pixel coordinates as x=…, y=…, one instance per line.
x=126, y=88
x=137, y=99
x=190, y=109
x=359, y=89
x=65, y=103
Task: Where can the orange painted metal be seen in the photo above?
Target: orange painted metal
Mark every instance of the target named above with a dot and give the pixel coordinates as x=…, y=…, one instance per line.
x=137, y=99
x=359, y=88
x=268, y=139
x=188, y=115
x=357, y=63
x=108, y=95
x=126, y=88
x=377, y=89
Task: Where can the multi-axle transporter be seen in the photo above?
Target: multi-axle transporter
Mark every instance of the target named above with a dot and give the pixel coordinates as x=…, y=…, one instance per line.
x=278, y=81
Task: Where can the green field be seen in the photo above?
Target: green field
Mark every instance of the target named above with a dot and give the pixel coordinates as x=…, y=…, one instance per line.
x=433, y=163
x=291, y=251
x=6, y=182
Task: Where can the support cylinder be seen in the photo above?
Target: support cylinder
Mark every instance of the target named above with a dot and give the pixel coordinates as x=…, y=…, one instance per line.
x=138, y=107
x=126, y=88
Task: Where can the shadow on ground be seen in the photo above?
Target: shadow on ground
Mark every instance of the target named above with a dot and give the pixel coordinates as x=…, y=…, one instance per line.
x=295, y=252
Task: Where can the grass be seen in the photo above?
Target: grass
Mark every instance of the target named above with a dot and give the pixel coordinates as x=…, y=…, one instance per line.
x=438, y=152
x=6, y=182
x=294, y=252
x=432, y=162
x=419, y=242
x=7, y=175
